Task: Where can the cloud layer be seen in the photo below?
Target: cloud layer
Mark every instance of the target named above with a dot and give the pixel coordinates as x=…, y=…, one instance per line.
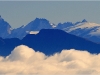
x=24, y=60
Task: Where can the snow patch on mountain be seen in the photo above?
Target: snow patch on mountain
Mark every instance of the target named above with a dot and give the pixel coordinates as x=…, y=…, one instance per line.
x=86, y=25
x=34, y=32
x=53, y=25
x=96, y=31
x=82, y=28
x=88, y=30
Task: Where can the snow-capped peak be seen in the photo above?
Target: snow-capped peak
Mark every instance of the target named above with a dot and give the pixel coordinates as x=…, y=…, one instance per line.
x=84, y=25
x=87, y=30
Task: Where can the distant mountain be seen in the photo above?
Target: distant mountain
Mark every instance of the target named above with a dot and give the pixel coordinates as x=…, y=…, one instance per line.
x=68, y=24
x=18, y=33
x=49, y=41
x=64, y=25
x=35, y=25
x=38, y=24
x=83, y=29
x=5, y=28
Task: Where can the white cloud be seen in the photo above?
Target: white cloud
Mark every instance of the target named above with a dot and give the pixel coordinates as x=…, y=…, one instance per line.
x=24, y=60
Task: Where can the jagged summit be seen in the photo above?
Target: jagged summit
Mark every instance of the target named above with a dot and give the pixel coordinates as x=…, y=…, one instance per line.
x=84, y=20
x=82, y=28
x=40, y=19
x=38, y=24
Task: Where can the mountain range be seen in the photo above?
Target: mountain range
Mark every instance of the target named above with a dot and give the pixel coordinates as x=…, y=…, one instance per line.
x=84, y=29
x=49, y=41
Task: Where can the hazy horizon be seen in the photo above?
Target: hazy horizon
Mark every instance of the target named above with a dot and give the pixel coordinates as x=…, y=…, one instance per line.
x=18, y=13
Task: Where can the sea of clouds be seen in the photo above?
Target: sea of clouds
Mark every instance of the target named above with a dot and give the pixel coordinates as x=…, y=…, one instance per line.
x=24, y=60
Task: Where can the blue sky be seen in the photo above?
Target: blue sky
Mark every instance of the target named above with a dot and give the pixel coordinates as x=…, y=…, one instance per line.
x=18, y=13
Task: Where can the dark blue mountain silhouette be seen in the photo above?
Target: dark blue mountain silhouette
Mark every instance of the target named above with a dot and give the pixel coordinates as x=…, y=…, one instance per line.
x=49, y=41
x=7, y=45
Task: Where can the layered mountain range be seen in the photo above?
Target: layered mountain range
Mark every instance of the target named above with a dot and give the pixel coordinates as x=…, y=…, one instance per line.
x=49, y=41
x=84, y=29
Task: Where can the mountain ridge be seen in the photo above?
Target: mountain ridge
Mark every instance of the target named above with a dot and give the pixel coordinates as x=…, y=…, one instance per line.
x=84, y=29
x=49, y=41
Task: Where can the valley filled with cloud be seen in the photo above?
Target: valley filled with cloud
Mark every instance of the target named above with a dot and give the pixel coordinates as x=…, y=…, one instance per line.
x=24, y=60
